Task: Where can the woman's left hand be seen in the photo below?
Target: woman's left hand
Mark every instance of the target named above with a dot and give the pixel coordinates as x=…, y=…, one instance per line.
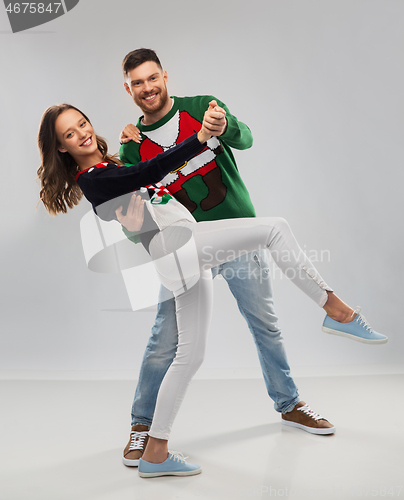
x=133, y=220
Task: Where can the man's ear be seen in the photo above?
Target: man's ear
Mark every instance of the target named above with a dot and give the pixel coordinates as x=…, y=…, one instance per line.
x=165, y=76
x=127, y=89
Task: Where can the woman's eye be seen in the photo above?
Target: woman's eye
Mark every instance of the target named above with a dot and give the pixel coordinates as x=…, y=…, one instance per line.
x=69, y=135
x=82, y=125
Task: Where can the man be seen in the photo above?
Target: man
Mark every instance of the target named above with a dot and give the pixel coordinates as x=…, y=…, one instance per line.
x=210, y=186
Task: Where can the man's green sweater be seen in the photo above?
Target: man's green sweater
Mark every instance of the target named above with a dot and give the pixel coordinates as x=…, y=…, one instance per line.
x=209, y=184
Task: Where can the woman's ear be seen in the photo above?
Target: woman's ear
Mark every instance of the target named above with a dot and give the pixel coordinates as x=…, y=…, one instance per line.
x=62, y=149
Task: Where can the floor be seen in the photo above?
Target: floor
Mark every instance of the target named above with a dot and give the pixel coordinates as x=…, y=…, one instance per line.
x=63, y=440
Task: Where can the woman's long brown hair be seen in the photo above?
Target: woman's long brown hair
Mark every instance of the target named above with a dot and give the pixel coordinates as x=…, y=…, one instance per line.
x=59, y=189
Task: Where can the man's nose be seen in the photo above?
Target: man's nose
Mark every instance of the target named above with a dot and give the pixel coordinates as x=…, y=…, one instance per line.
x=147, y=86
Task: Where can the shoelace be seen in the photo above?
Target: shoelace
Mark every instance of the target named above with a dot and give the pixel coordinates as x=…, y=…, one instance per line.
x=177, y=456
x=362, y=320
x=137, y=440
x=308, y=411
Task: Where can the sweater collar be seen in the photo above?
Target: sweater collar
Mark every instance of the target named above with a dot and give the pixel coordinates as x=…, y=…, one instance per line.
x=99, y=165
x=162, y=121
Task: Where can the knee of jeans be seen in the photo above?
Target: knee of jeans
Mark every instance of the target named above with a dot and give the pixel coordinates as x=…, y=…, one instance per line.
x=162, y=344
x=159, y=357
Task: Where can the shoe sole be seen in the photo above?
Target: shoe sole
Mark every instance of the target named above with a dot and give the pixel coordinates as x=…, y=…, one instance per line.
x=130, y=463
x=170, y=473
x=353, y=337
x=312, y=430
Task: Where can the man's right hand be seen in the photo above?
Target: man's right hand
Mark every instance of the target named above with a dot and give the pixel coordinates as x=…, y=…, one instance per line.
x=214, y=122
x=214, y=119
x=130, y=133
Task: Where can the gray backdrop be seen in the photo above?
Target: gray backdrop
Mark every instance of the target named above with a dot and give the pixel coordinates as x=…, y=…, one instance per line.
x=320, y=85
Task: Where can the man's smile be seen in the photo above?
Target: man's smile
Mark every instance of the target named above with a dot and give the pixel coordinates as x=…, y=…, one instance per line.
x=150, y=98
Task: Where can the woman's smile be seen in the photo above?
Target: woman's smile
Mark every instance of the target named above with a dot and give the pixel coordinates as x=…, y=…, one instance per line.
x=87, y=142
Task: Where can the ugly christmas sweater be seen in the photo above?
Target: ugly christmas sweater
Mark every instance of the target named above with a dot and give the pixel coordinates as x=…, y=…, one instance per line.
x=209, y=184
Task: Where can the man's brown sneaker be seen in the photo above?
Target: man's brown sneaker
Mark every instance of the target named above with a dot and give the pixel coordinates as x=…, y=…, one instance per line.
x=303, y=417
x=136, y=446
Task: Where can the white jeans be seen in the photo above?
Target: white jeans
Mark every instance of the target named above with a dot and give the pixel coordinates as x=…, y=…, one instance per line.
x=183, y=254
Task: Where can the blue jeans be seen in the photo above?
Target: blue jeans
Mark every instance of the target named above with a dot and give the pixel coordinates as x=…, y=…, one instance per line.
x=250, y=283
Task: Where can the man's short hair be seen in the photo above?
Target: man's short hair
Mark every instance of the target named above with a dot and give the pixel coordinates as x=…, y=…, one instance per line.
x=138, y=57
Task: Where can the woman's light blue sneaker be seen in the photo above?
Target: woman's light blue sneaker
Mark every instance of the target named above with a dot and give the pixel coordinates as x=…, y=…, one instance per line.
x=175, y=465
x=358, y=329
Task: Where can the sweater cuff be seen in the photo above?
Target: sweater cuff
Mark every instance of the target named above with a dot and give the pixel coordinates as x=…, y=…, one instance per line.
x=194, y=144
x=133, y=236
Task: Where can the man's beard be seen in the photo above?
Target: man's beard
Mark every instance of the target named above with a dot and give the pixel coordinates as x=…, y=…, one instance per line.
x=163, y=97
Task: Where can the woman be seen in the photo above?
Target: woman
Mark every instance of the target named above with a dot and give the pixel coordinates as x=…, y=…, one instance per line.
x=75, y=161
